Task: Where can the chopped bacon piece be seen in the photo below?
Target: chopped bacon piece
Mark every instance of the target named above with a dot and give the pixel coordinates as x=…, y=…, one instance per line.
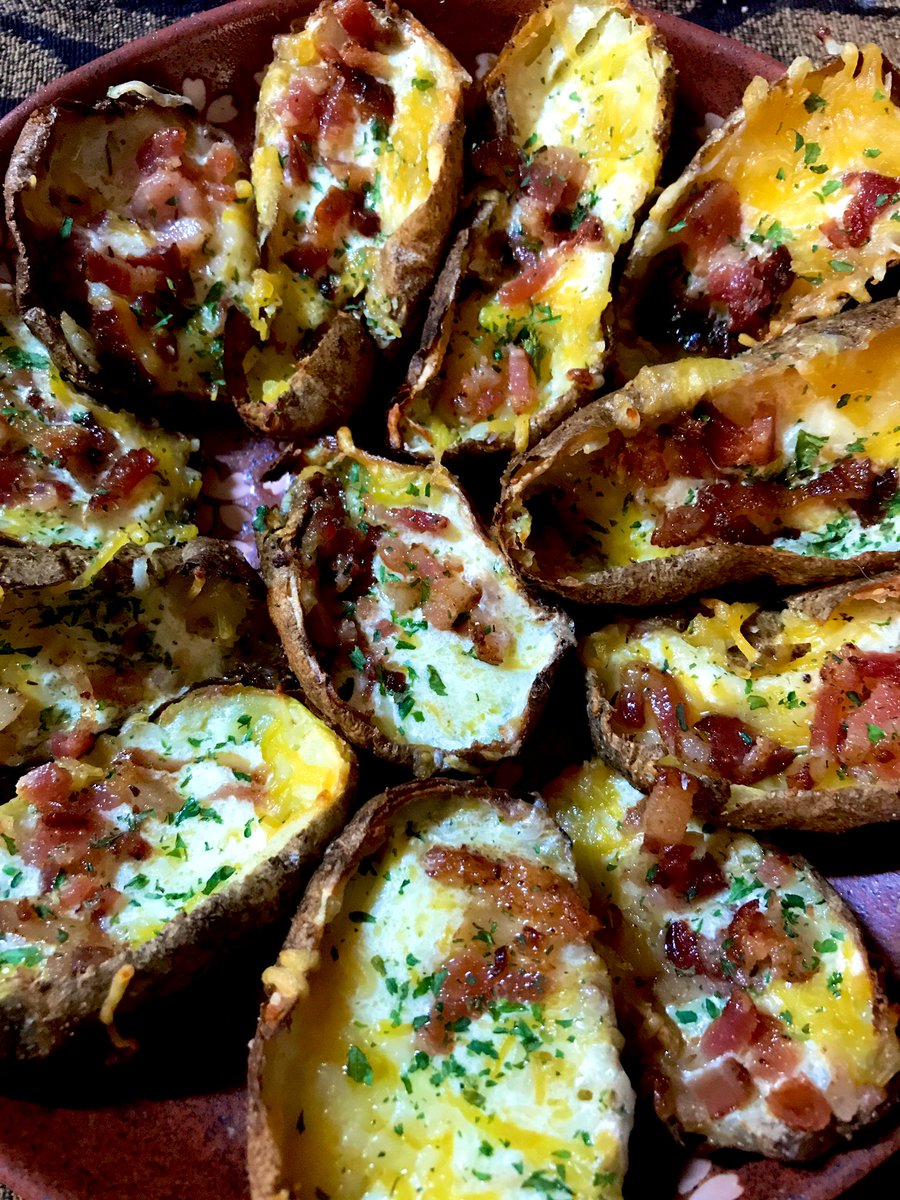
x=47, y=787
x=687, y=876
x=481, y=391
x=163, y=148
x=522, y=383
x=682, y=947
x=523, y=287
x=774, y=1055
x=126, y=473
x=712, y=219
x=874, y=194
x=419, y=519
x=548, y=902
x=733, y=1029
x=473, y=982
x=733, y=445
x=358, y=20
x=724, y=1088
x=800, y=1105
x=669, y=807
x=739, y=755
x=748, y=291
x=72, y=745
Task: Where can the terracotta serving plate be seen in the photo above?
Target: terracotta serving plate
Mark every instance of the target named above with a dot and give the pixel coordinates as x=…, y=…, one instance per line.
x=170, y=1124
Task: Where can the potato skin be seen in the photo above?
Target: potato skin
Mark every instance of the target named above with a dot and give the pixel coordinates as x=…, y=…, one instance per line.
x=286, y=982
x=332, y=381
x=820, y=810
x=423, y=375
x=666, y=580
x=289, y=587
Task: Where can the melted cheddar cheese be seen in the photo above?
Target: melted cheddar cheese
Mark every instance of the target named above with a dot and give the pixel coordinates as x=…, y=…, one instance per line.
x=845, y=1045
x=528, y=1097
x=236, y=774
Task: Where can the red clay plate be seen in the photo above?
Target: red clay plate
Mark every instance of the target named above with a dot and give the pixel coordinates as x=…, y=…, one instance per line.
x=171, y=1125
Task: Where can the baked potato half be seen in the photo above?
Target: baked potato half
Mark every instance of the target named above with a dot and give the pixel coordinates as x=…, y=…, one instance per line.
x=787, y=212
x=357, y=171
x=740, y=972
x=782, y=462
x=438, y=1022
x=787, y=715
x=78, y=482
x=401, y=620
x=124, y=872
x=133, y=223
x=581, y=100
x=145, y=630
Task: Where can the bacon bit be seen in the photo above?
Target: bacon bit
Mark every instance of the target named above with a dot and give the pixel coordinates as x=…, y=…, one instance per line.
x=682, y=947
x=859, y=215
x=500, y=161
x=419, y=519
x=712, y=220
x=359, y=22
x=689, y=877
x=724, y=1088
x=47, y=787
x=451, y=598
x=775, y=870
x=473, y=983
x=669, y=807
x=733, y=445
x=73, y=744
x=127, y=473
x=800, y=1105
x=549, y=903
x=774, y=1055
x=482, y=391
x=733, y=1029
x=522, y=383
x=525, y=286
x=733, y=758
x=749, y=291
x=163, y=148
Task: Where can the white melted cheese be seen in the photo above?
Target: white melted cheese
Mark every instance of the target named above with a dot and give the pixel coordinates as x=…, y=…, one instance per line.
x=242, y=771
x=530, y=1097
x=829, y=1017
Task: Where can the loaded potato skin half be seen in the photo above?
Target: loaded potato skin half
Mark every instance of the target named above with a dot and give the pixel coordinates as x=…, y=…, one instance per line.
x=786, y=715
x=782, y=462
x=740, y=973
x=357, y=171
x=125, y=871
x=438, y=1022
x=78, y=482
x=580, y=101
x=788, y=212
x=402, y=622
x=133, y=223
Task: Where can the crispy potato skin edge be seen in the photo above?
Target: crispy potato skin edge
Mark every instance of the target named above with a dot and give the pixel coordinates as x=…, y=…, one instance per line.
x=665, y=580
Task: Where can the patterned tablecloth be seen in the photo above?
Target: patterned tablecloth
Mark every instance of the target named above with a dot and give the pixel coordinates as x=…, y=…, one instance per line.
x=40, y=39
